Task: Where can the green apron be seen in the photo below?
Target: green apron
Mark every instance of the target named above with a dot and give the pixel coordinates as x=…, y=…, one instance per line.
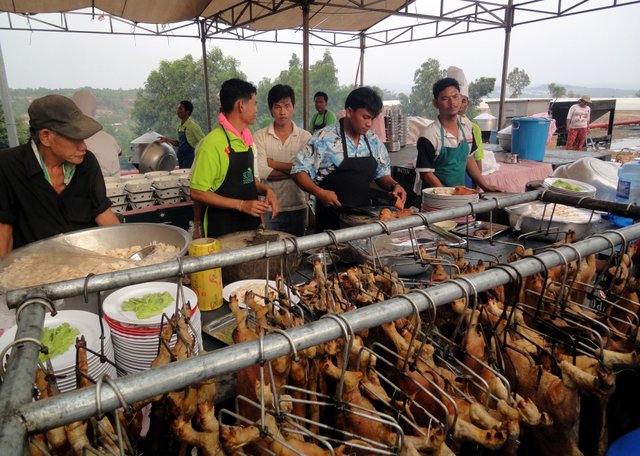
x=451, y=163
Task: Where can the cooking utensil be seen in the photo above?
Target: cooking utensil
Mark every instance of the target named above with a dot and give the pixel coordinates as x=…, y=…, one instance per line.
x=143, y=253
x=158, y=157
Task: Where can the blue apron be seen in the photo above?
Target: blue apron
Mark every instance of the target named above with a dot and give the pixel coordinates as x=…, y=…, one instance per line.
x=185, y=151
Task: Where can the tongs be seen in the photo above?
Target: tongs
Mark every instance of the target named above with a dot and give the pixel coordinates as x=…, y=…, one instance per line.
x=446, y=235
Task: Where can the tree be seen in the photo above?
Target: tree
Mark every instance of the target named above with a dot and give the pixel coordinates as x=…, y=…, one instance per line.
x=556, y=90
x=155, y=105
x=638, y=93
x=419, y=101
x=517, y=80
x=479, y=89
x=22, y=130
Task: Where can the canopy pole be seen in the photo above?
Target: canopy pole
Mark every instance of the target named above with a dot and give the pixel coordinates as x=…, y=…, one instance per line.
x=305, y=66
x=9, y=120
x=505, y=60
x=205, y=66
x=362, y=49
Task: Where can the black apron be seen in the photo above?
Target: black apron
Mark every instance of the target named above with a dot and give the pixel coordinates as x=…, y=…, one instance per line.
x=322, y=125
x=239, y=183
x=185, y=151
x=350, y=181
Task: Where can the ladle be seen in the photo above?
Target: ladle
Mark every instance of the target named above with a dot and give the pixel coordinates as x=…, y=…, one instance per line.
x=142, y=253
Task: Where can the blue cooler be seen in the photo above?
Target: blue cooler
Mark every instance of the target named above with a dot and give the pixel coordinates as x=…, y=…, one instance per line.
x=529, y=137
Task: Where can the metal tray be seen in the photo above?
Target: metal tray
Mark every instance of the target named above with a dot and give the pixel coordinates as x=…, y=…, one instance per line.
x=480, y=230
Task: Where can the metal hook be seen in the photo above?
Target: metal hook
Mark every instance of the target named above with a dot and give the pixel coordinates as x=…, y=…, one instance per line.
x=384, y=226
x=465, y=293
x=430, y=301
x=85, y=291
x=424, y=218
x=105, y=378
x=43, y=301
x=292, y=344
x=43, y=349
x=416, y=327
x=347, y=332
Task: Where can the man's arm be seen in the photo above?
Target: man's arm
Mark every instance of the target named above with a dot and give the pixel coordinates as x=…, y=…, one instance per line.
x=476, y=175
x=425, y=163
x=269, y=196
x=164, y=139
x=107, y=218
x=390, y=185
x=280, y=170
x=570, y=116
x=325, y=197
x=430, y=179
x=6, y=238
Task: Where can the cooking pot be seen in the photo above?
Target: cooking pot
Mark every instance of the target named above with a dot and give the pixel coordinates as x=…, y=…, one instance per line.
x=158, y=157
x=255, y=269
x=485, y=121
x=505, y=141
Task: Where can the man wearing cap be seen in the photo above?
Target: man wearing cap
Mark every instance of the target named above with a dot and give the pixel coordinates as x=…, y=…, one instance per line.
x=577, y=124
x=52, y=184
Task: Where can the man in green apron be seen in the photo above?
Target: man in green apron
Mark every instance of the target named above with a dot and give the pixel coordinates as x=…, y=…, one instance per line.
x=445, y=148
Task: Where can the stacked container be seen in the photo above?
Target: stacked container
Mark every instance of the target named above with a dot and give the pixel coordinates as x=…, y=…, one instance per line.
x=166, y=189
x=115, y=192
x=184, y=182
x=139, y=191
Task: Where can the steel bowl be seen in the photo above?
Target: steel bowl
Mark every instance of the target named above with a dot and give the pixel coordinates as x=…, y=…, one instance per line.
x=158, y=157
x=524, y=218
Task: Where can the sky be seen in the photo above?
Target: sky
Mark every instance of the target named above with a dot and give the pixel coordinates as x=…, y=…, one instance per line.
x=598, y=49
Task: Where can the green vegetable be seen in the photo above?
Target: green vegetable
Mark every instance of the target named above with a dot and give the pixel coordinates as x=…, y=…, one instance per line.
x=58, y=340
x=149, y=305
x=563, y=184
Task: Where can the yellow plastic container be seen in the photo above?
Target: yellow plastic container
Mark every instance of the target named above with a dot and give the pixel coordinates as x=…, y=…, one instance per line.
x=207, y=284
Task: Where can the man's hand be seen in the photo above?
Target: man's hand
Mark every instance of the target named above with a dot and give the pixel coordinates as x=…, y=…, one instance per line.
x=256, y=208
x=399, y=193
x=328, y=198
x=272, y=200
x=492, y=188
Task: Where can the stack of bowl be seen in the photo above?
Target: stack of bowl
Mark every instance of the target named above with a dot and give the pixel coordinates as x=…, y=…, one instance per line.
x=135, y=340
x=139, y=191
x=437, y=198
x=167, y=189
x=115, y=192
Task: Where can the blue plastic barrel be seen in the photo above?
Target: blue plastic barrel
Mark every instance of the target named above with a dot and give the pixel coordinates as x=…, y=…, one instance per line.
x=529, y=137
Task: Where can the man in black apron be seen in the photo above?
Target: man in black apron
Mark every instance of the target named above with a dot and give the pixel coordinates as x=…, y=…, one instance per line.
x=223, y=176
x=444, y=149
x=189, y=135
x=338, y=164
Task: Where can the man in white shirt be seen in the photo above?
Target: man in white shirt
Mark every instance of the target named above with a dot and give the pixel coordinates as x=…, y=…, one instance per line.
x=578, y=123
x=276, y=145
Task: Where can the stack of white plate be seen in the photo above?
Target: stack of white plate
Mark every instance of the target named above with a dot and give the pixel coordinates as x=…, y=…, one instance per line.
x=136, y=341
x=64, y=365
x=576, y=188
x=437, y=198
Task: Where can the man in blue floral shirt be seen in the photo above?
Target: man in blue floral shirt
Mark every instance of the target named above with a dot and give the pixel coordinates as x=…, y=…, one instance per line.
x=340, y=161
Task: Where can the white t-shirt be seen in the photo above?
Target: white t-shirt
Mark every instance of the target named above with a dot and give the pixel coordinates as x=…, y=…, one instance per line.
x=578, y=117
x=107, y=151
x=268, y=145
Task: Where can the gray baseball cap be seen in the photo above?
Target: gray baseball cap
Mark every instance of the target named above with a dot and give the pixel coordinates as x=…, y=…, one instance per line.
x=60, y=114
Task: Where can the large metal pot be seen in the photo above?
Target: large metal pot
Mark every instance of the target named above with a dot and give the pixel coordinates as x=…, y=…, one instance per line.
x=139, y=144
x=255, y=269
x=158, y=157
x=485, y=121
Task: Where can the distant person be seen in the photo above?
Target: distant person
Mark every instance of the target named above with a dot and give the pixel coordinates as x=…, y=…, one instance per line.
x=323, y=117
x=578, y=120
x=102, y=144
x=224, y=177
x=339, y=162
x=52, y=184
x=276, y=146
x=189, y=135
x=446, y=146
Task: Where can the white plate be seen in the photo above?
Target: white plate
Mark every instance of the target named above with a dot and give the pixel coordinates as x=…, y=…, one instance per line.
x=257, y=283
x=112, y=305
x=85, y=322
x=584, y=187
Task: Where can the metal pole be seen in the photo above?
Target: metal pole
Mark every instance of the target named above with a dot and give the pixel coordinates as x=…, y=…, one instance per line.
x=625, y=210
x=16, y=388
x=305, y=66
x=9, y=120
x=508, y=24
x=81, y=404
x=168, y=269
x=362, y=49
x=205, y=66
